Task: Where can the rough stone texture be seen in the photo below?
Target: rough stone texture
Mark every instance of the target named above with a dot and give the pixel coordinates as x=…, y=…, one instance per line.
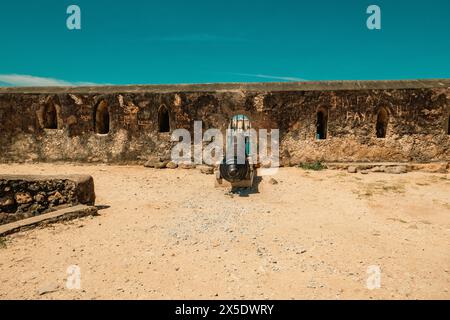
x=26, y=196
x=417, y=130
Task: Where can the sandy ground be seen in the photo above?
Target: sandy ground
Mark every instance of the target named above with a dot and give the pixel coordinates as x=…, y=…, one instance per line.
x=170, y=234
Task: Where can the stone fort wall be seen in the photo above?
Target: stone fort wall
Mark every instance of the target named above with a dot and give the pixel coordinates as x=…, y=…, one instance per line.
x=371, y=121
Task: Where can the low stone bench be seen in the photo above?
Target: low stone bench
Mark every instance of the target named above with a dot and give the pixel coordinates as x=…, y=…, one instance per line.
x=27, y=196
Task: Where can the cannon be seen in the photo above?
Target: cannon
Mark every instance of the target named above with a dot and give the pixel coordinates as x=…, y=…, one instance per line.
x=233, y=171
x=234, y=174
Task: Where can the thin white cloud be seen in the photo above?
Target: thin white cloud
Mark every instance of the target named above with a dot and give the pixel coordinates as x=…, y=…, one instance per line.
x=266, y=76
x=23, y=80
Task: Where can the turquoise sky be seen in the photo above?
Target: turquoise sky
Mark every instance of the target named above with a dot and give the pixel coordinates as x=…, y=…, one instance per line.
x=181, y=41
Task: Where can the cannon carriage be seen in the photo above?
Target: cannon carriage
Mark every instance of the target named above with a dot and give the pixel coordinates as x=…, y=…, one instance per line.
x=238, y=170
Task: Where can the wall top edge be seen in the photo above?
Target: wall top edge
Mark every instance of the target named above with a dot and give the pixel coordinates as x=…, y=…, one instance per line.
x=257, y=86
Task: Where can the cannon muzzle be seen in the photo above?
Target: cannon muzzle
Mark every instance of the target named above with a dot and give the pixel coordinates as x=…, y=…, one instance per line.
x=232, y=171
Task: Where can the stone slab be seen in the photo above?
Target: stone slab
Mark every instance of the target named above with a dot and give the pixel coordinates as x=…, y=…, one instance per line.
x=47, y=218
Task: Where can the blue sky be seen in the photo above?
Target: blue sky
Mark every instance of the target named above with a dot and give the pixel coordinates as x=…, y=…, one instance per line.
x=197, y=41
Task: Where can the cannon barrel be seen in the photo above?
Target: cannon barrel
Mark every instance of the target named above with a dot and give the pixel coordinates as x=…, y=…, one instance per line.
x=232, y=171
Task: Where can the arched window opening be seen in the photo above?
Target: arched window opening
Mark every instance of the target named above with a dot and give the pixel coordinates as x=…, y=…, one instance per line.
x=321, y=125
x=50, y=117
x=163, y=120
x=101, y=118
x=382, y=123
x=239, y=124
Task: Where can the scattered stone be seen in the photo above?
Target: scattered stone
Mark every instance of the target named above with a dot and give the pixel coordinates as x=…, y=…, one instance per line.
x=273, y=181
x=352, y=169
x=149, y=164
x=152, y=161
x=396, y=170
x=161, y=164
x=171, y=165
x=187, y=166
x=378, y=169
x=364, y=171
x=206, y=169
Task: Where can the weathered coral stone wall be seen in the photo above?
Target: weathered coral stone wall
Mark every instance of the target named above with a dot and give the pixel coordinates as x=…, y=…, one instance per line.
x=64, y=124
x=416, y=130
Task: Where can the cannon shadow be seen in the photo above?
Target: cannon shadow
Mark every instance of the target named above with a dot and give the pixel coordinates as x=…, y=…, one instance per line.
x=245, y=192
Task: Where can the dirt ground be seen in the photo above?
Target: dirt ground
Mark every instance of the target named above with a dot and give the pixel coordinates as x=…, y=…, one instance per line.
x=169, y=234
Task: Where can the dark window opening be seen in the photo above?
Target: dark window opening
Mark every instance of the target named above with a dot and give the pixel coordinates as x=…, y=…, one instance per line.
x=321, y=125
x=50, y=117
x=382, y=123
x=101, y=119
x=163, y=120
